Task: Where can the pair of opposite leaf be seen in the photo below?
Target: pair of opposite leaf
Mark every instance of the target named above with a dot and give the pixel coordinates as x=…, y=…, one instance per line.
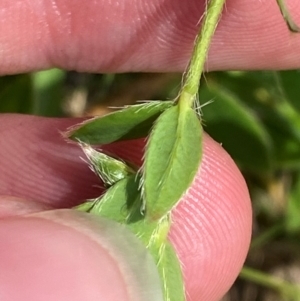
x=143, y=198
x=172, y=153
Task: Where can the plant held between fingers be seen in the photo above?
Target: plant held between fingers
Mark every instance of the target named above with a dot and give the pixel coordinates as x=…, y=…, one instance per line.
x=143, y=198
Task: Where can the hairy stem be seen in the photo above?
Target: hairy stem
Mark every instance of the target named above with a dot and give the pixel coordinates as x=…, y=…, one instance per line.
x=209, y=23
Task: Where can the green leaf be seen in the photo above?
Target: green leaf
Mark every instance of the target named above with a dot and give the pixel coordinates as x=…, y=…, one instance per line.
x=285, y=135
x=49, y=89
x=132, y=122
x=16, y=93
x=109, y=169
x=122, y=202
x=87, y=206
x=293, y=209
x=168, y=264
x=123, y=198
x=290, y=83
x=172, y=159
x=232, y=123
x=262, y=95
x=254, y=88
x=170, y=272
x=134, y=260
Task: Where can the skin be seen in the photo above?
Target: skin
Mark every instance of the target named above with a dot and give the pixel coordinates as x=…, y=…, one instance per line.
x=40, y=255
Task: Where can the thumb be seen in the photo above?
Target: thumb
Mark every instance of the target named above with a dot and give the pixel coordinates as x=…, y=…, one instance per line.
x=68, y=255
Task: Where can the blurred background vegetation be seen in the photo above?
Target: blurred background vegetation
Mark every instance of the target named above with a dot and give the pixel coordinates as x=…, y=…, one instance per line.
x=256, y=117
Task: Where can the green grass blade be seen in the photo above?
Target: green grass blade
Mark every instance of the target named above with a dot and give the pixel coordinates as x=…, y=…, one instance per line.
x=172, y=159
x=132, y=122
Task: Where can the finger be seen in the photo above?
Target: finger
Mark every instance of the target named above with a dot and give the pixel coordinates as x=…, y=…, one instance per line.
x=67, y=255
x=154, y=35
x=38, y=164
x=13, y=206
x=212, y=224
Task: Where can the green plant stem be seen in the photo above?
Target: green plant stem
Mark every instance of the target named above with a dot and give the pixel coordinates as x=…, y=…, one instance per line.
x=287, y=16
x=209, y=23
x=283, y=287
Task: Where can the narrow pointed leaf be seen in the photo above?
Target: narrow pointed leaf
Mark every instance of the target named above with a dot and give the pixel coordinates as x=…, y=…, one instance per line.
x=290, y=84
x=170, y=272
x=172, y=159
x=122, y=202
x=109, y=169
x=86, y=206
x=132, y=122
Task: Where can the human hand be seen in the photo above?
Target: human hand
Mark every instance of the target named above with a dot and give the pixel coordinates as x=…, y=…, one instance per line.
x=212, y=224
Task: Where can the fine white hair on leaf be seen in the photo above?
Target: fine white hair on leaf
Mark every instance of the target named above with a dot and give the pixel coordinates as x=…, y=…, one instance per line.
x=200, y=106
x=108, y=168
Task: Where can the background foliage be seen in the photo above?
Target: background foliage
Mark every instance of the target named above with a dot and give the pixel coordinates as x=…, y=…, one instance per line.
x=256, y=117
